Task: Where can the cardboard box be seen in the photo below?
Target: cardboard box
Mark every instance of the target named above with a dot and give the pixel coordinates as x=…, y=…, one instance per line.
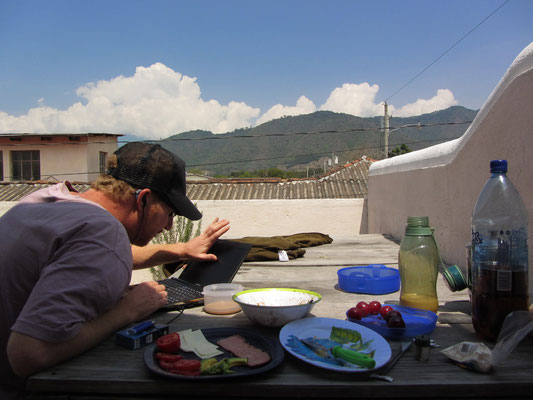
x=141, y=339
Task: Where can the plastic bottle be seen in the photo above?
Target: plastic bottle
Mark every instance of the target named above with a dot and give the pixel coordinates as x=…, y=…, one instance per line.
x=499, y=253
x=418, y=262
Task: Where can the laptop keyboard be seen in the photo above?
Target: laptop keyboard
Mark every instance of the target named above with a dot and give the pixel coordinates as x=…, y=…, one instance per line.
x=178, y=292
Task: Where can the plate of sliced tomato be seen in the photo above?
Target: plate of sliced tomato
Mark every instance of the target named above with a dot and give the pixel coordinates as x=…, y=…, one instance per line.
x=165, y=360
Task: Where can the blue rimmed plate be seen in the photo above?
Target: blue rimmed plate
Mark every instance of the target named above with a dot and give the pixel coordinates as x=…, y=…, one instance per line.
x=321, y=328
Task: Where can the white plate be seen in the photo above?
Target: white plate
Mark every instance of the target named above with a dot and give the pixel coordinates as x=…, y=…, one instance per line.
x=321, y=328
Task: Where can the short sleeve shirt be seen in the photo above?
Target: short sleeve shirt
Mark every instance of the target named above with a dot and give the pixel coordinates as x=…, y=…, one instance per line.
x=65, y=261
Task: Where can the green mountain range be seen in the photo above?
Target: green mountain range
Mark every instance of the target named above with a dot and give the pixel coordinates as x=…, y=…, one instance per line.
x=295, y=142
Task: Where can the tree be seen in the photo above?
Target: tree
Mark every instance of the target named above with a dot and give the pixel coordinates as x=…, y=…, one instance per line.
x=403, y=149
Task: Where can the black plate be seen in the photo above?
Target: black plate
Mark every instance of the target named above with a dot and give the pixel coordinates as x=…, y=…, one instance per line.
x=271, y=346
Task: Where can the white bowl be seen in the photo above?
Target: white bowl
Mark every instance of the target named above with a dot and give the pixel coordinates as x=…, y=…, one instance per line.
x=275, y=307
x=218, y=298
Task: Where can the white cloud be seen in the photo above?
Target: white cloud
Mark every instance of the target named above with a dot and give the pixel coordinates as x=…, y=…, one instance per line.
x=303, y=106
x=442, y=100
x=355, y=99
x=155, y=102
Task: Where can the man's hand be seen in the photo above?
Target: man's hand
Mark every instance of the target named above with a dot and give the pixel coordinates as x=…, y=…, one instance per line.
x=28, y=355
x=143, y=299
x=197, y=247
x=158, y=254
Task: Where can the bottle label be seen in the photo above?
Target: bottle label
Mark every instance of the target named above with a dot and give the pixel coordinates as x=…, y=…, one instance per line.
x=504, y=281
x=500, y=247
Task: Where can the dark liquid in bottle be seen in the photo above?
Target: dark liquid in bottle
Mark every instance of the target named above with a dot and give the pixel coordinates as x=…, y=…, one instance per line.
x=496, y=293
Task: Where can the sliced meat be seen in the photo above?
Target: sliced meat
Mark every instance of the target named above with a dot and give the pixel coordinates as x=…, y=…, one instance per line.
x=238, y=346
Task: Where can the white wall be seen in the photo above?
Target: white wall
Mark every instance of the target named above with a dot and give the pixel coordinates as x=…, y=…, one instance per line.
x=444, y=181
x=335, y=217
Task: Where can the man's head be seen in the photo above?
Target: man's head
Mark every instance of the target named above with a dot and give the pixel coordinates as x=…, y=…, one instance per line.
x=149, y=166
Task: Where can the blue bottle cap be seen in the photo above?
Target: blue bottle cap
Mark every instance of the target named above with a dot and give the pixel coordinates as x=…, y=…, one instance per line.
x=498, y=166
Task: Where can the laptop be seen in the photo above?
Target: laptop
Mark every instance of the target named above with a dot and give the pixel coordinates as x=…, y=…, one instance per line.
x=186, y=289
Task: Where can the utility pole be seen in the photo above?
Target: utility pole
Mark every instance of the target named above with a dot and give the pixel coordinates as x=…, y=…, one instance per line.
x=386, y=130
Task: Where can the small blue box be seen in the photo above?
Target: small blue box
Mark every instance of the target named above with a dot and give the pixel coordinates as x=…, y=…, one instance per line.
x=141, y=339
x=369, y=279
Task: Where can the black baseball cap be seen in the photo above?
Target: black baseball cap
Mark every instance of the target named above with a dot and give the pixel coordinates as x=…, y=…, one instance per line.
x=145, y=165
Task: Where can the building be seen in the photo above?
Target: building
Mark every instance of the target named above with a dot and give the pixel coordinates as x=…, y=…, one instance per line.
x=54, y=157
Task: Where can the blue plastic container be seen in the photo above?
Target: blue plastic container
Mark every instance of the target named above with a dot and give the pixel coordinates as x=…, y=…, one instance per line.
x=369, y=279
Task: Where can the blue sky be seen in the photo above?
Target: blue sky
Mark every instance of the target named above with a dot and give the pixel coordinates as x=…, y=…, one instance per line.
x=156, y=68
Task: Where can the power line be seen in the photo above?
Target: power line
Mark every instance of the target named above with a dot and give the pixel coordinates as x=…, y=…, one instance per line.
x=284, y=157
x=220, y=137
x=448, y=50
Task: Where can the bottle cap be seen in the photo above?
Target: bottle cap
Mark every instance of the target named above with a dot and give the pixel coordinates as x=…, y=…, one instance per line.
x=498, y=166
x=454, y=278
x=418, y=226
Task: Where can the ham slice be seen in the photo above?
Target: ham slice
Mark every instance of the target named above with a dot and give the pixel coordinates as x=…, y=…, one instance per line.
x=238, y=346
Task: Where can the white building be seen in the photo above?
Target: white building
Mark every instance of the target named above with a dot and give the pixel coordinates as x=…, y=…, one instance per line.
x=77, y=157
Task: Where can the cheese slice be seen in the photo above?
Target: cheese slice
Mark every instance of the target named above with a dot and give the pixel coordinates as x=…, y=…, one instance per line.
x=195, y=341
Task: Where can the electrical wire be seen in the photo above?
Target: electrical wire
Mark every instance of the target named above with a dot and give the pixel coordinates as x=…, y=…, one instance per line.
x=447, y=51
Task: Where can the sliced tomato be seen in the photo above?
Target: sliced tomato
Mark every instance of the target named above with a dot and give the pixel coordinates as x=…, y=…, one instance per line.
x=187, y=365
x=169, y=343
x=188, y=373
x=168, y=357
x=166, y=365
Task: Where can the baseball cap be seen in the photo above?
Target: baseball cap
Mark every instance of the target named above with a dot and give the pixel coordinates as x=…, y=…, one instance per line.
x=145, y=165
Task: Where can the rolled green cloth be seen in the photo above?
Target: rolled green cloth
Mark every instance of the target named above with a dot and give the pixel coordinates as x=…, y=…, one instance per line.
x=266, y=248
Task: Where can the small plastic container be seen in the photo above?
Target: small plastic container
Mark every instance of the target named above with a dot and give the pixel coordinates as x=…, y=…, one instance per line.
x=218, y=298
x=369, y=279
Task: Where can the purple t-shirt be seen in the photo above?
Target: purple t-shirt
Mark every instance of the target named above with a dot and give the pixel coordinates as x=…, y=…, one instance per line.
x=65, y=260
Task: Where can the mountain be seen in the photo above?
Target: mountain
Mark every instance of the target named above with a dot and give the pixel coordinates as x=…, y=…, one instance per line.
x=295, y=141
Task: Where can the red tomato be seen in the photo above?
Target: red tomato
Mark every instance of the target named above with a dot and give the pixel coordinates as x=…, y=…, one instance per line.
x=363, y=306
x=355, y=313
x=188, y=373
x=184, y=366
x=385, y=310
x=166, y=365
x=374, y=307
x=169, y=343
x=168, y=357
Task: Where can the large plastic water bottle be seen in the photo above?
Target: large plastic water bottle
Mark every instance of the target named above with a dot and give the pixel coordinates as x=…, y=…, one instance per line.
x=418, y=262
x=499, y=253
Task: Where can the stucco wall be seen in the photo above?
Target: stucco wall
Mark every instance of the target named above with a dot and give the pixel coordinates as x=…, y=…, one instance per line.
x=443, y=181
x=336, y=217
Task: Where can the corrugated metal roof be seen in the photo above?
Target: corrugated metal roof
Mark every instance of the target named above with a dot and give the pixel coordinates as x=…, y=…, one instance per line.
x=346, y=182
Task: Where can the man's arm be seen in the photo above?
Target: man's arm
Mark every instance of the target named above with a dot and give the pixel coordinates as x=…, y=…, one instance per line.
x=28, y=355
x=157, y=254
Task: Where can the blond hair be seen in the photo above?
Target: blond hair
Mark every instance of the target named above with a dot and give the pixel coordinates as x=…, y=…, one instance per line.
x=114, y=188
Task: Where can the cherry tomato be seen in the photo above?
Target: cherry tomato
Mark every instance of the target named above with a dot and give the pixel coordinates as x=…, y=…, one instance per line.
x=169, y=343
x=374, y=307
x=355, y=313
x=385, y=310
x=391, y=314
x=396, y=322
x=167, y=357
x=187, y=365
x=363, y=306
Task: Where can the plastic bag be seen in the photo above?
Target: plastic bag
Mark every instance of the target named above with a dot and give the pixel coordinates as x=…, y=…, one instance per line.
x=479, y=357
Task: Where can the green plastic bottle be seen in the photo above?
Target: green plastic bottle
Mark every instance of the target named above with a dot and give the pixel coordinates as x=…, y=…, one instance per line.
x=418, y=262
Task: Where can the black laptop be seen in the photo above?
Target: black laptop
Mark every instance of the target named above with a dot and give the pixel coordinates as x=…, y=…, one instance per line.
x=186, y=289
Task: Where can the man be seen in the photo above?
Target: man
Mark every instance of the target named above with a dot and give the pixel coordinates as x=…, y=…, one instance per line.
x=67, y=259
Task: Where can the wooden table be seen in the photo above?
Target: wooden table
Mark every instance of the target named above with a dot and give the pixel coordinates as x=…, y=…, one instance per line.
x=112, y=372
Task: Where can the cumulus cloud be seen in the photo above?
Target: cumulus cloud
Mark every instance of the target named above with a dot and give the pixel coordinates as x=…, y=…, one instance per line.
x=155, y=102
x=442, y=100
x=355, y=99
x=303, y=106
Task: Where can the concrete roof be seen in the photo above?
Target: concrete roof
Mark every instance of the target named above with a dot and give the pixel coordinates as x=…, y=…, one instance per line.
x=346, y=182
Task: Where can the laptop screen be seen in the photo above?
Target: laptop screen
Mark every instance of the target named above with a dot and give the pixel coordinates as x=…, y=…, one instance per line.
x=230, y=256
